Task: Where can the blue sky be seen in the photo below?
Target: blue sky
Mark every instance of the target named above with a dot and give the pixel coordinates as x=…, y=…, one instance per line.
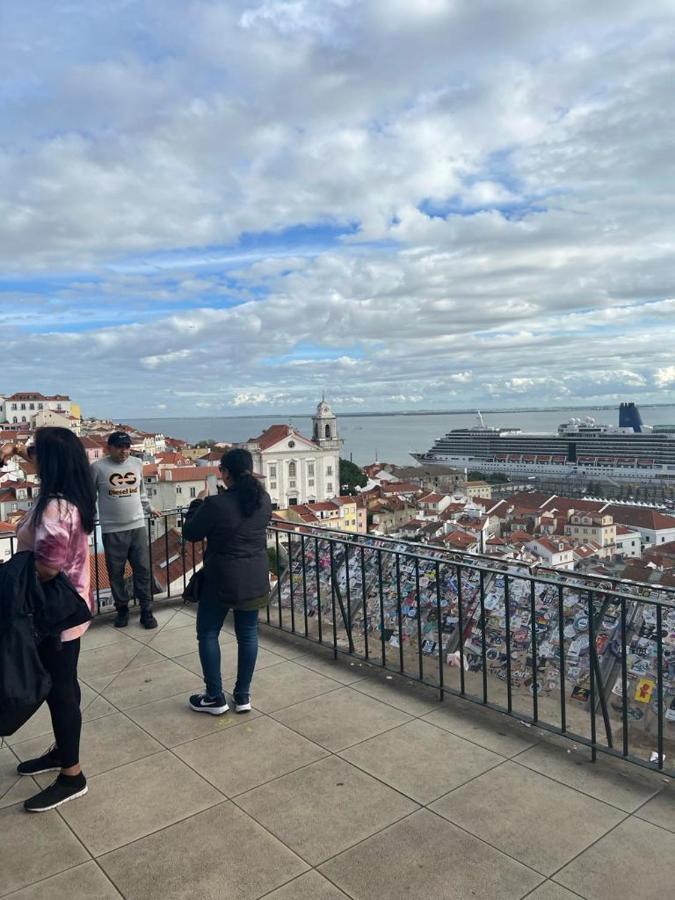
x=212, y=207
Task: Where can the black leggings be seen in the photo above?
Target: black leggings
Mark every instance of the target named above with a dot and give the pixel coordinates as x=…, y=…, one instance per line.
x=63, y=700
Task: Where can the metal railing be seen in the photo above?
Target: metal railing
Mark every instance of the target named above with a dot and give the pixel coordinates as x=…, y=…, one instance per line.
x=587, y=657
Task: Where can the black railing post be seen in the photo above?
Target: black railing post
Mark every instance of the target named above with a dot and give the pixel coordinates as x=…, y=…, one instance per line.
x=364, y=597
x=561, y=658
x=533, y=633
x=304, y=582
x=381, y=595
x=460, y=626
x=317, y=567
x=659, y=685
x=481, y=586
x=441, y=691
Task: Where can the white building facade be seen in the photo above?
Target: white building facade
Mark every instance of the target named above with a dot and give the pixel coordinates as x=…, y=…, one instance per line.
x=296, y=469
x=22, y=407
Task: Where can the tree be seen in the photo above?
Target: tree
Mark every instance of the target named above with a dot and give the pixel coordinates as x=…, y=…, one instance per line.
x=351, y=477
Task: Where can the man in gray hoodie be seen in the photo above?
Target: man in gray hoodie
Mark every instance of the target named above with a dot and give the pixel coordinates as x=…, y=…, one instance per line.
x=123, y=506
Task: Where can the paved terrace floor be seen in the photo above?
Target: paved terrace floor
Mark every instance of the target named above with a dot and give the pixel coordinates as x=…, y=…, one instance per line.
x=341, y=783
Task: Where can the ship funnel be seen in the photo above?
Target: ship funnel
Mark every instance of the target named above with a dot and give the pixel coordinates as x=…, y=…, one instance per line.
x=629, y=417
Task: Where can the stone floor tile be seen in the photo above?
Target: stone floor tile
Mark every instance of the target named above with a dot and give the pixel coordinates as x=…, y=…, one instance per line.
x=97, y=683
x=93, y=706
x=241, y=758
x=284, y=644
x=40, y=724
x=134, y=800
x=310, y=886
x=106, y=743
x=279, y=686
x=79, y=883
x=13, y=788
x=108, y=659
x=420, y=760
x=175, y=641
x=100, y=634
x=620, y=783
x=426, y=858
x=190, y=661
x=549, y=890
x=228, y=660
x=228, y=664
x=491, y=730
x=180, y=619
x=135, y=631
x=233, y=858
x=413, y=699
x=341, y=718
x=172, y=722
x=135, y=687
x=343, y=670
x=532, y=818
x=324, y=808
x=145, y=657
x=33, y=847
x=660, y=810
x=633, y=862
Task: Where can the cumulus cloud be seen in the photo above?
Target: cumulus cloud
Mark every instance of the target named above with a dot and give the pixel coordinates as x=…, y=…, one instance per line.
x=402, y=204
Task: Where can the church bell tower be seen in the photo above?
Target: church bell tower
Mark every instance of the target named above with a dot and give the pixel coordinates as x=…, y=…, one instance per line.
x=325, y=431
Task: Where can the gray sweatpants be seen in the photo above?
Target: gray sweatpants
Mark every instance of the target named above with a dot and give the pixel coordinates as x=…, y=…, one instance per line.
x=132, y=545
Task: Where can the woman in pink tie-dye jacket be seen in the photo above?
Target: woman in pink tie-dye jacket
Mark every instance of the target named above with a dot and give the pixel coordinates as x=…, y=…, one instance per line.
x=57, y=530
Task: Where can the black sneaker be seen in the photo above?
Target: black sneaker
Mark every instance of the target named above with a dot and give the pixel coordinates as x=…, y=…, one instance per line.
x=122, y=617
x=48, y=762
x=242, y=703
x=65, y=788
x=148, y=620
x=214, y=705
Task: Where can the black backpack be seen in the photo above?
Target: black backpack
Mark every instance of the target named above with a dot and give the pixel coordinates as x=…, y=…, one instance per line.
x=24, y=681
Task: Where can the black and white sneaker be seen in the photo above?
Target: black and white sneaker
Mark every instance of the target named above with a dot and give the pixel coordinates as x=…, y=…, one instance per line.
x=50, y=761
x=65, y=788
x=242, y=704
x=216, y=706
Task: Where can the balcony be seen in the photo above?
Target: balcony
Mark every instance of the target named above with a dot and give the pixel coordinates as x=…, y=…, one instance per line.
x=362, y=772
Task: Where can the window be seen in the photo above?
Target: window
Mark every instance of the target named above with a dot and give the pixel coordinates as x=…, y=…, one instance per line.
x=193, y=492
x=310, y=483
x=23, y=406
x=329, y=470
x=32, y=406
x=329, y=486
x=291, y=484
x=291, y=470
x=273, y=471
x=179, y=489
x=273, y=485
x=292, y=501
x=310, y=470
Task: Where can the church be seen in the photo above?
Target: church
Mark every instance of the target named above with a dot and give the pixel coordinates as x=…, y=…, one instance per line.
x=298, y=469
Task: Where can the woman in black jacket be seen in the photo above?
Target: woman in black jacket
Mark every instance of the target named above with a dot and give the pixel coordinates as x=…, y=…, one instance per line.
x=236, y=576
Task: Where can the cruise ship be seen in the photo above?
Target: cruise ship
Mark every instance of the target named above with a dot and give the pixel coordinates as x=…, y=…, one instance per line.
x=630, y=452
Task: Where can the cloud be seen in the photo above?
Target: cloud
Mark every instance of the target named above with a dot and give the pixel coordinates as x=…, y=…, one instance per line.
x=254, y=202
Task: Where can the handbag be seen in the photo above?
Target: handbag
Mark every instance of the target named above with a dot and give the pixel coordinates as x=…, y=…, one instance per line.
x=193, y=588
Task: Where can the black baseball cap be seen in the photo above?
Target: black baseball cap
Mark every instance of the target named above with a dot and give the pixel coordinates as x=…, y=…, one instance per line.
x=119, y=439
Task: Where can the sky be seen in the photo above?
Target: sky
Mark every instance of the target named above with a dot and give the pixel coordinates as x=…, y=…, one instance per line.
x=221, y=207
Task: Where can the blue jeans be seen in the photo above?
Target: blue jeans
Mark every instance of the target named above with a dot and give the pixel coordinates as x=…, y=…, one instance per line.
x=210, y=618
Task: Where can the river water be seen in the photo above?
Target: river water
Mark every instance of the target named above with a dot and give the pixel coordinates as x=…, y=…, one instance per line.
x=389, y=438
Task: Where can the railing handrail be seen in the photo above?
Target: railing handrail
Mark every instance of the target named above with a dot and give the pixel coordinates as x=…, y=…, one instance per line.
x=488, y=564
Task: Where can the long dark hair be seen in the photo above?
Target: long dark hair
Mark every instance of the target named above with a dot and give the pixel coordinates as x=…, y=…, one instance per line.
x=246, y=487
x=64, y=472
